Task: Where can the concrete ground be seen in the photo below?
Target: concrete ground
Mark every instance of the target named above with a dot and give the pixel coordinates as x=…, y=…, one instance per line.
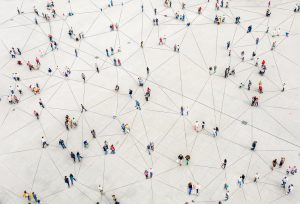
x=176, y=79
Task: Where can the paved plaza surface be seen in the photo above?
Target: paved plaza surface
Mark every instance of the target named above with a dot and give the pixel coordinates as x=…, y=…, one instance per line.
x=176, y=79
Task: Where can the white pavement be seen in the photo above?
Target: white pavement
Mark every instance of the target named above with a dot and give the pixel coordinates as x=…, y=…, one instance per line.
x=176, y=79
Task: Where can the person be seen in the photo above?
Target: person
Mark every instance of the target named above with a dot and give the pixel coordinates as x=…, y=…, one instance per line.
x=180, y=158
x=26, y=195
x=249, y=29
x=282, y=160
x=226, y=186
x=215, y=133
x=148, y=70
x=249, y=85
x=41, y=103
x=62, y=143
x=181, y=110
x=274, y=164
x=93, y=132
x=112, y=149
x=83, y=108
x=197, y=187
x=36, y=114
x=141, y=82
x=34, y=196
x=44, y=142
x=228, y=45
x=146, y=173
x=224, y=164
x=127, y=128
x=150, y=173
x=117, y=88
x=79, y=157
x=149, y=149
x=137, y=105
x=187, y=159
x=73, y=157
x=240, y=183
x=67, y=181
x=227, y=195
x=256, y=177
x=130, y=93
x=283, y=87
x=257, y=41
x=260, y=88
x=72, y=179
x=105, y=148
x=190, y=188
x=203, y=125
x=83, y=77
x=85, y=144
x=147, y=95
x=196, y=126
x=290, y=189
x=284, y=181
x=100, y=189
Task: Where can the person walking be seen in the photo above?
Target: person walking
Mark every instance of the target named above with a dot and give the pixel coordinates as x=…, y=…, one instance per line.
x=67, y=181
x=240, y=183
x=290, y=189
x=227, y=195
x=224, y=164
x=197, y=187
x=249, y=29
x=283, y=87
x=137, y=105
x=146, y=173
x=93, y=132
x=34, y=196
x=253, y=145
x=73, y=157
x=180, y=158
x=130, y=93
x=228, y=45
x=79, y=157
x=83, y=108
x=282, y=160
x=203, y=125
x=187, y=159
x=284, y=181
x=62, y=143
x=249, y=85
x=44, y=142
x=274, y=164
x=72, y=179
x=243, y=178
x=190, y=188
x=36, y=114
x=150, y=173
x=83, y=77
x=76, y=53
x=100, y=189
x=256, y=177
x=41, y=103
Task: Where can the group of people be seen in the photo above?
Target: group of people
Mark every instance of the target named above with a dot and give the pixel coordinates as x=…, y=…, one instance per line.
x=181, y=159
x=72, y=123
x=31, y=196
x=106, y=147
